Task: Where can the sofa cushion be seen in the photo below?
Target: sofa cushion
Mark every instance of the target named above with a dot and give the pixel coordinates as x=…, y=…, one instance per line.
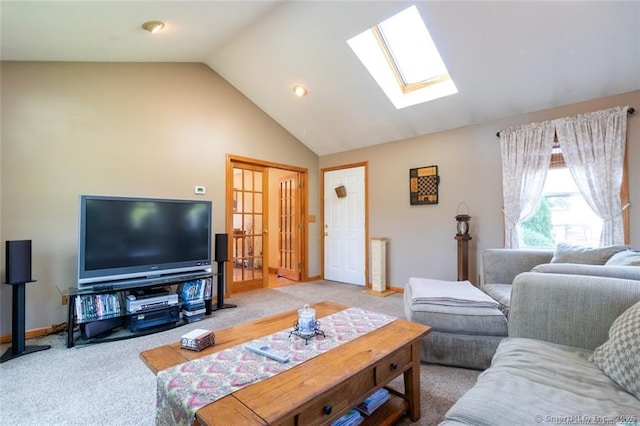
x=448, y=293
x=501, y=293
x=625, y=258
x=458, y=319
x=501, y=266
x=566, y=253
x=619, y=357
x=623, y=272
x=532, y=382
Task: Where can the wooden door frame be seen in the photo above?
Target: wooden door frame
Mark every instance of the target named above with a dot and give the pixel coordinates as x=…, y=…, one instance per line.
x=232, y=159
x=364, y=164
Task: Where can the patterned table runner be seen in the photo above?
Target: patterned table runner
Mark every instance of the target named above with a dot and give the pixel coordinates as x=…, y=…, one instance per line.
x=185, y=388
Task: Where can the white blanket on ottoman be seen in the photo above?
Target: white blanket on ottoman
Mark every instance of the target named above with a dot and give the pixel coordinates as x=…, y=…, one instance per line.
x=449, y=293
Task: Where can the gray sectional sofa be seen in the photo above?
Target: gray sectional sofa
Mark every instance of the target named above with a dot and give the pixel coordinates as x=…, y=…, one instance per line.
x=572, y=355
x=501, y=266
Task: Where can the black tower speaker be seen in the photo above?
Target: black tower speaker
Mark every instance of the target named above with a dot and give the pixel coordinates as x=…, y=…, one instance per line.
x=18, y=256
x=18, y=266
x=222, y=245
x=222, y=255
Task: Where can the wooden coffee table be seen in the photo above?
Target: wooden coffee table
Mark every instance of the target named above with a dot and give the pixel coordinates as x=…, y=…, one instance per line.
x=321, y=389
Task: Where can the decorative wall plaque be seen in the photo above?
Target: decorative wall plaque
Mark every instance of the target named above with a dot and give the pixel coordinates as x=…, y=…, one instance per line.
x=423, y=185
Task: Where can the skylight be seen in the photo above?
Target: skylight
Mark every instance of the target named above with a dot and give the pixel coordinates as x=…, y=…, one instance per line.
x=403, y=59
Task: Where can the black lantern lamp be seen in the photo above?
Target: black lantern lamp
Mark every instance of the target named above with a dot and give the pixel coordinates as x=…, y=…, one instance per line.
x=463, y=219
x=463, y=224
x=463, y=237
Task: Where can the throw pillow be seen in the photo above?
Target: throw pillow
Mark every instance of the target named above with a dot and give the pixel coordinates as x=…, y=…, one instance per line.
x=619, y=357
x=566, y=253
x=625, y=258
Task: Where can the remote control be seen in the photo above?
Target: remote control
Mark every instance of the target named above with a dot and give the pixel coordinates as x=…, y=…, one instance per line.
x=258, y=348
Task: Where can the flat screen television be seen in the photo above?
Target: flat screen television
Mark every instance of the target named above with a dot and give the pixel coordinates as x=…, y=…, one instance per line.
x=126, y=240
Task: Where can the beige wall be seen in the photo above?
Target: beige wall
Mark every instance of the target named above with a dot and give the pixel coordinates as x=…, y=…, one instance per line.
x=421, y=238
x=160, y=129
x=153, y=130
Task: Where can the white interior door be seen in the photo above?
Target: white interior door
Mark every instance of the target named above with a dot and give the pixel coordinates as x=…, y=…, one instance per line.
x=344, y=226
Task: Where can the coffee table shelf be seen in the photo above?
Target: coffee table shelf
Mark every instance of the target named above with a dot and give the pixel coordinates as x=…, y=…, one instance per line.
x=388, y=413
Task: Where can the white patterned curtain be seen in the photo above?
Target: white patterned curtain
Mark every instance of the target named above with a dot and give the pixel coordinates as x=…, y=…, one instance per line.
x=526, y=155
x=593, y=147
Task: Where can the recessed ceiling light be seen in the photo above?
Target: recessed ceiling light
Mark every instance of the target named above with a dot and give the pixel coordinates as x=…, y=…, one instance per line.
x=153, y=26
x=299, y=90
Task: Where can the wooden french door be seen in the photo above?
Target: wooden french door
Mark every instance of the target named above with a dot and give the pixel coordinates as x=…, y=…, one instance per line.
x=252, y=254
x=249, y=227
x=289, y=227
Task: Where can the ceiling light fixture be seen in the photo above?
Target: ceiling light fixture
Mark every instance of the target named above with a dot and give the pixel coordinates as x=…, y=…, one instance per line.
x=153, y=26
x=299, y=90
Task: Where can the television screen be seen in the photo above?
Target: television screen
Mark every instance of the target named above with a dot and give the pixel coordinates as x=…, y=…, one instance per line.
x=123, y=238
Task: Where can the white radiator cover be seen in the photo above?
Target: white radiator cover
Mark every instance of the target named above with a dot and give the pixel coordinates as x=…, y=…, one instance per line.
x=379, y=264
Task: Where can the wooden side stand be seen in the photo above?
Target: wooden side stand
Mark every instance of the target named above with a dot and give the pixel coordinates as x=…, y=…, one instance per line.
x=463, y=256
x=379, y=268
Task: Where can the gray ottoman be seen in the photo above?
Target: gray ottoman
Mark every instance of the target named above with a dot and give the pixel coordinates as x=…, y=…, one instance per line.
x=467, y=324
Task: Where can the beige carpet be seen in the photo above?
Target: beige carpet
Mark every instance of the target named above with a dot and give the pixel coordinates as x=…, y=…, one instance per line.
x=107, y=384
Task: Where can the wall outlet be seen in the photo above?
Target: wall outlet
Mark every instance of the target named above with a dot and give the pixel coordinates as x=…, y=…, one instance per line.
x=64, y=300
x=199, y=190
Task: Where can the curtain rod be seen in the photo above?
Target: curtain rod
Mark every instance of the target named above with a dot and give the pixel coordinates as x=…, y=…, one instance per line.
x=630, y=111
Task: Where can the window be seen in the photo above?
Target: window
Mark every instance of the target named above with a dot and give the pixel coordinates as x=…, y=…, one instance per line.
x=595, y=144
x=562, y=215
x=401, y=56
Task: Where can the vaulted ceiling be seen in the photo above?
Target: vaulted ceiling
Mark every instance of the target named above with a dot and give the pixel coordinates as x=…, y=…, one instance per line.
x=506, y=58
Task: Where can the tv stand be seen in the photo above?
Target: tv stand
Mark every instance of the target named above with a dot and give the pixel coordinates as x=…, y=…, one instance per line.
x=114, y=293
x=149, y=281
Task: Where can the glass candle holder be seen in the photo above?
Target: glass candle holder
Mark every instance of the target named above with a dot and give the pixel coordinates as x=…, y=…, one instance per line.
x=307, y=320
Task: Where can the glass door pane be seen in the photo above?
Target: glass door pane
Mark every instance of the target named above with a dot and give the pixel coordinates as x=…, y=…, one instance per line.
x=289, y=229
x=248, y=227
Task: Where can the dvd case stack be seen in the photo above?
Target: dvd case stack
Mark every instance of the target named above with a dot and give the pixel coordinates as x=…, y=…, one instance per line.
x=97, y=306
x=352, y=418
x=373, y=401
x=191, y=294
x=197, y=340
x=208, y=283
